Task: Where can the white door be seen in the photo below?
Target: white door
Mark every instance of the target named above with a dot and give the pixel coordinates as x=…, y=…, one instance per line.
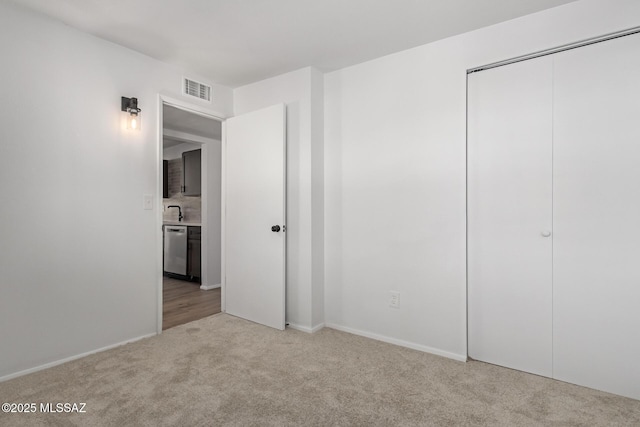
x=596, y=216
x=255, y=216
x=509, y=216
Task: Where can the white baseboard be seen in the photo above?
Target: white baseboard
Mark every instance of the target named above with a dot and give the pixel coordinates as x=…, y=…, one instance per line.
x=306, y=328
x=69, y=359
x=401, y=343
x=209, y=287
x=317, y=328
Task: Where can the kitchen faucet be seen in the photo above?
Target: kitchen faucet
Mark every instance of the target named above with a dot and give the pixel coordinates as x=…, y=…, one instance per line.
x=179, y=211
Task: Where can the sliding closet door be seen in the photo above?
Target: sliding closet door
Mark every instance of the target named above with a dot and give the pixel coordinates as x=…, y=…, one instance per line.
x=509, y=215
x=597, y=216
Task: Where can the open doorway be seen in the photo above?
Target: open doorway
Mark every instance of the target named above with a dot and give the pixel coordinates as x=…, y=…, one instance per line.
x=191, y=230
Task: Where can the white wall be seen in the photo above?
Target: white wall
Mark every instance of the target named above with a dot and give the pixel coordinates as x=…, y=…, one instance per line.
x=212, y=175
x=76, y=280
x=395, y=175
x=301, y=91
x=317, y=199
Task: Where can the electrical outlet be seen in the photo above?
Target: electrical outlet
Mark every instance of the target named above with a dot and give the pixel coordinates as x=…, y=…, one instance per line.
x=395, y=299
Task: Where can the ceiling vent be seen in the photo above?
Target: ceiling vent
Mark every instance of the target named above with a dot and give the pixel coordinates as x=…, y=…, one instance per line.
x=197, y=89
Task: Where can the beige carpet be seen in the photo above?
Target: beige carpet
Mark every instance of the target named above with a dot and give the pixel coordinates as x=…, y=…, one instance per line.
x=226, y=371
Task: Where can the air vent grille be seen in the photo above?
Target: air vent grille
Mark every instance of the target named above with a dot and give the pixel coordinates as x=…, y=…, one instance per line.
x=197, y=89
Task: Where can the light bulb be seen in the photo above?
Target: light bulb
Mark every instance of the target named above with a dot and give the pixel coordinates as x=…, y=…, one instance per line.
x=133, y=122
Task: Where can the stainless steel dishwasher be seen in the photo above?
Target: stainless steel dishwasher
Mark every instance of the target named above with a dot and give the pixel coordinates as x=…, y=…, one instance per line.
x=175, y=249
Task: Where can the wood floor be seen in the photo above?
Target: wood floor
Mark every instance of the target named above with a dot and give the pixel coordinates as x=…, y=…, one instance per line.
x=184, y=302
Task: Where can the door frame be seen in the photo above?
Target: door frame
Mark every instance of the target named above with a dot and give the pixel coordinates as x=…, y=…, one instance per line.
x=211, y=114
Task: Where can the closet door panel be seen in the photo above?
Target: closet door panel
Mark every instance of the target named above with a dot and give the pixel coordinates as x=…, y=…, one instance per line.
x=596, y=216
x=509, y=207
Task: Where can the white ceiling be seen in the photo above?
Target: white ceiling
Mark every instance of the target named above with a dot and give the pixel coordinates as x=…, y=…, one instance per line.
x=185, y=121
x=186, y=124
x=235, y=42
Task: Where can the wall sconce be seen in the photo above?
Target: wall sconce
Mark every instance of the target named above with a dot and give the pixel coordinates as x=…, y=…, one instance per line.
x=130, y=105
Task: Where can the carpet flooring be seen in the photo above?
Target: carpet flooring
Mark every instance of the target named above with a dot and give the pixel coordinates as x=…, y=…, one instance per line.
x=222, y=370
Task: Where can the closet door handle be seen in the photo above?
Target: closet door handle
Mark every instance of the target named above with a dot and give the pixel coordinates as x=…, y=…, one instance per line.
x=546, y=233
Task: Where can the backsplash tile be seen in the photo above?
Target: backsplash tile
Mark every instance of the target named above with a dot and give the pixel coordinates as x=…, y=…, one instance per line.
x=191, y=205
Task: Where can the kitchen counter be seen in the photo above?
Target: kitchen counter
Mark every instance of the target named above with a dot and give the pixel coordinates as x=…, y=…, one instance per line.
x=188, y=224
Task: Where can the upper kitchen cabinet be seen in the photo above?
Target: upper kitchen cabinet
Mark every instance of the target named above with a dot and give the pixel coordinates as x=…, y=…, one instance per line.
x=165, y=179
x=191, y=172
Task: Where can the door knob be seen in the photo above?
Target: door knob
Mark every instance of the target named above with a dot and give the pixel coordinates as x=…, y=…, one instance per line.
x=546, y=233
x=275, y=228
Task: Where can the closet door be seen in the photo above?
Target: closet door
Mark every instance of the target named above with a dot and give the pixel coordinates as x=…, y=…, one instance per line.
x=597, y=216
x=509, y=216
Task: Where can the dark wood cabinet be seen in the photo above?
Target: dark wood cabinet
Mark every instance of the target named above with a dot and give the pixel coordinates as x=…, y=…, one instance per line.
x=194, y=257
x=191, y=173
x=165, y=179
